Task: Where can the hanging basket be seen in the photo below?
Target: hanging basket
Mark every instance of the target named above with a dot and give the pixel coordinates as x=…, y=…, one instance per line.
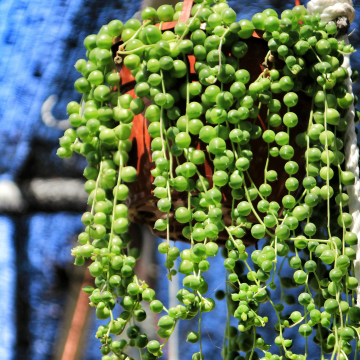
x=142, y=202
x=247, y=170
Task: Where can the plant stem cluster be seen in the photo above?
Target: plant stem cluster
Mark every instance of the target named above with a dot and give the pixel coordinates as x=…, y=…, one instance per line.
x=212, y=116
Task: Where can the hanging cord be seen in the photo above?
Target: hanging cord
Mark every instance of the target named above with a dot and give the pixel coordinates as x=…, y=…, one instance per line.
x=332, y=9
x=351, y=164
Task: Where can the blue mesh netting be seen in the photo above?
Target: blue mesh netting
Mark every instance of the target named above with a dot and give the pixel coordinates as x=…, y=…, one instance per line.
x=7, y=281
x=49, y=245
x=40, y=43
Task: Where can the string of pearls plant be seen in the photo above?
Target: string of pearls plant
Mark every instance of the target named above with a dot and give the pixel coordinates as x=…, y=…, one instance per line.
x=308, y=227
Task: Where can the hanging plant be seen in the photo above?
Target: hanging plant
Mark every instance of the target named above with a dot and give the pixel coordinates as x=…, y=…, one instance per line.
x=221, y=133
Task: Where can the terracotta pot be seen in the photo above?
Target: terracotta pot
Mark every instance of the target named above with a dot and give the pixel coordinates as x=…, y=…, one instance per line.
x=142, y=202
